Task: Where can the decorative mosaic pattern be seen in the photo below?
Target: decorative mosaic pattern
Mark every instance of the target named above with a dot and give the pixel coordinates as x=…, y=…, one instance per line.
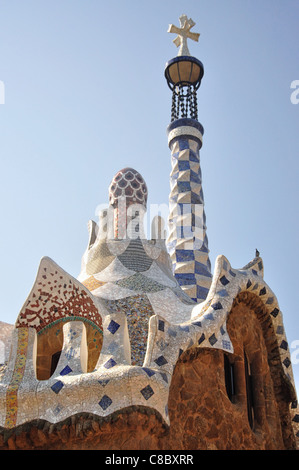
x=187, y=242
x=56, y=296
x=98, y=257
x=116, y=383
x=16, y=380
x=130, y=184
x=139, y=270
x=141, y=283
x=137, y=310
x=135, y=257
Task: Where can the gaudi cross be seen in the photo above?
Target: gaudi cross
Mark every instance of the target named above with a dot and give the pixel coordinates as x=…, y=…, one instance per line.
x=183, y=33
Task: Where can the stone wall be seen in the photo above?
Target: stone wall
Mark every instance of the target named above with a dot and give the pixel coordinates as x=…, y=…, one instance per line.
x=204, y=413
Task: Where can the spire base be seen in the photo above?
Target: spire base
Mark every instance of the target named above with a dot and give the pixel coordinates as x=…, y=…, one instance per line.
x=185, y=128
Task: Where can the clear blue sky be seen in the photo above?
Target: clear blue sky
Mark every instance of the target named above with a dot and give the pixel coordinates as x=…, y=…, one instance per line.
x=85, y=96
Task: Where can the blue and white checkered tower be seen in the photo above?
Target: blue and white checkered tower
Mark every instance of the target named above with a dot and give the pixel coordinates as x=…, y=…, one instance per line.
x=187, y=242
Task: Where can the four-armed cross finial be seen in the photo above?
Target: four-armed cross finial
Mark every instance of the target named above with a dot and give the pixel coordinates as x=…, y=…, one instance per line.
x=183, y=33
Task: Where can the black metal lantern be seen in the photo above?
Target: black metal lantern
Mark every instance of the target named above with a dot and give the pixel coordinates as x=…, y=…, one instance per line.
x=184, y=70
x=183, y=75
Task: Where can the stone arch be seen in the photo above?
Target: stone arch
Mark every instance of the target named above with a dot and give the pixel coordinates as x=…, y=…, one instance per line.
x=49, y=344
x=256, y=349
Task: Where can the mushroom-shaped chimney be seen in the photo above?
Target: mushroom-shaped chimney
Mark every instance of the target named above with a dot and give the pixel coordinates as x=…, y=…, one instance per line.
x=128, y=198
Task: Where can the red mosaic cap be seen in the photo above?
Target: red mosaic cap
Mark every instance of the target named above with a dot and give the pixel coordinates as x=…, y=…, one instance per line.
x=130, y=184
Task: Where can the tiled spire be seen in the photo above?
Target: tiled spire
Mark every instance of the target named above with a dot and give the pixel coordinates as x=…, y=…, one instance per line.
x=187, y=241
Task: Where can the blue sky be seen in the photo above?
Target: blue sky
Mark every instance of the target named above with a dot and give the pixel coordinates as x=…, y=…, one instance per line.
x=85, y=96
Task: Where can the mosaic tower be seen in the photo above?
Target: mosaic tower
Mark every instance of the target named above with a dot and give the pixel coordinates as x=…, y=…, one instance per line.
x=187, y=242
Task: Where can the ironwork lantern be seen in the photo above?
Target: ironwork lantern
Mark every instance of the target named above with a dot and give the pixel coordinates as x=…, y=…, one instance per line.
x=184, y=75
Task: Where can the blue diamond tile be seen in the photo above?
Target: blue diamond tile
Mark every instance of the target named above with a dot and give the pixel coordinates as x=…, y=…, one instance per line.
x=196, y=323
x=110, y=363
x=263, y=291
x=212, y=339
x=57, y=386
x=222, y=293
x=201, y=339
x=147, y=392
x=66, y=370
x=113, y=327
x=161, y=325
x=284, y=345
x=217, y=306
x=160, y=361
x=224, y=281
x=275, y=312
x=105, y=402
x=149, y=372
x=287, y=362
x=270, y=301
x=249, y=284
